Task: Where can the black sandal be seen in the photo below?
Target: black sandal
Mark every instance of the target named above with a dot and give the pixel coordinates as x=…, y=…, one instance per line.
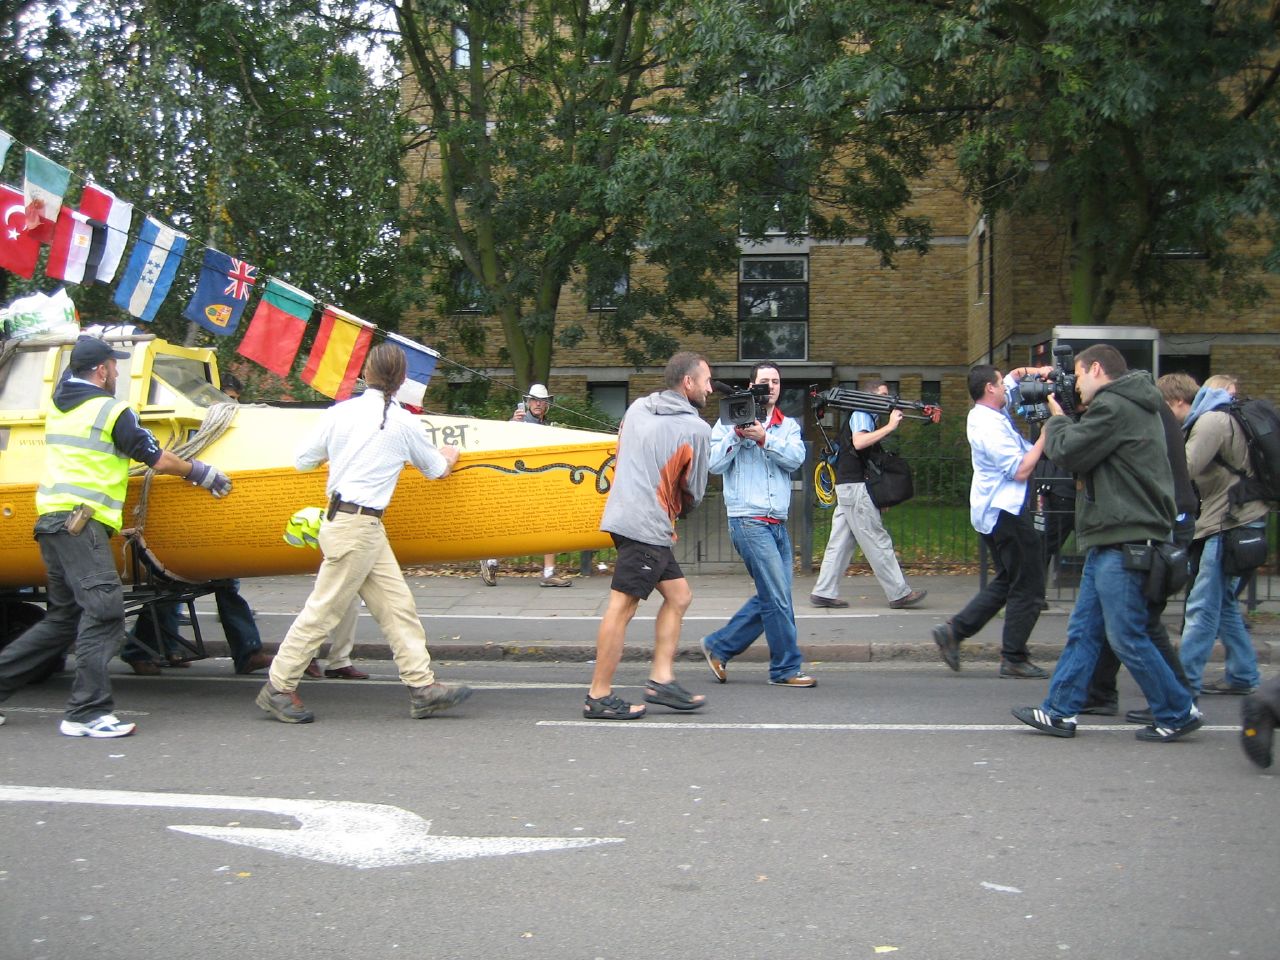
x=671, y=695
x=611, y=707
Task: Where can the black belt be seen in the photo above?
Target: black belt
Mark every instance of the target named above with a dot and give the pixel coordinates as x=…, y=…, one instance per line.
x=344, y=507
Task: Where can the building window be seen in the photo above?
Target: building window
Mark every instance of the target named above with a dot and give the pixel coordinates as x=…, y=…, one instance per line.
x=608, y=398
x=603, y=295
x=982, y=258
x=461, y=48
x=931, y=392
x=468, y=293
x=773, y=308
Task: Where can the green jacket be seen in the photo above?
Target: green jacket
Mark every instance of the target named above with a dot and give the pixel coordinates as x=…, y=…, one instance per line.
x=1124, y=487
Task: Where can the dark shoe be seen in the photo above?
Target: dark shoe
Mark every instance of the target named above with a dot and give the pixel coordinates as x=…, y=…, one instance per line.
x=257, y=661
x=799, y=680
x=672, y=695
x=612, y=707
x=1224, y=689
x=1022, y=670
x=556, y=582
x=1108, y=708
x=313, y=669
x=489, y=572
x=285, y=707
x=346, y=673
x=910, y=600
x=1054, y=726
x=1159, y=734
x=834, y=602
x=1257, y=730
x=717, y=666
x=426, y=701
x=145, y=668
x=172, y=661
x=1143, y=717
x=948, y=645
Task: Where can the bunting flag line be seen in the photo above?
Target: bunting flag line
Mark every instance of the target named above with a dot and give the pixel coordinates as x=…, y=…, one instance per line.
x=222, y=292
x=101, y=204
x=421, y=365
x=18, y=249
x=45, y=184
x=338, y=353
x=276, y=328
x=77, y=247
x=150, y=271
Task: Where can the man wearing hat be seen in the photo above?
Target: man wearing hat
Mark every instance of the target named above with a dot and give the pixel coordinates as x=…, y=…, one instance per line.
x=534, y=409
x=90, y=439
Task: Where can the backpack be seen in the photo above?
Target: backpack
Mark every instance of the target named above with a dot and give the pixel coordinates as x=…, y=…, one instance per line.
x=1260, y=422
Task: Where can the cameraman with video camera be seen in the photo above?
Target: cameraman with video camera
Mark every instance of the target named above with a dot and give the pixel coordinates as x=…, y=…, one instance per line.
x=1124, y=520
x=756, y=460
x=1003, y=461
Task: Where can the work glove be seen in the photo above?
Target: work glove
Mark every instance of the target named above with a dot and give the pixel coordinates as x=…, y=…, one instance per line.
x=209, y=477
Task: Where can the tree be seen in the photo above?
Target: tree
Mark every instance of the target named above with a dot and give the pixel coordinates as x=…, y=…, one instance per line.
x=562, y=142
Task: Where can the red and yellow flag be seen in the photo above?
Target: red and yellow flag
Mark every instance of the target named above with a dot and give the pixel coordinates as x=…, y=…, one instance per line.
x=338, y=353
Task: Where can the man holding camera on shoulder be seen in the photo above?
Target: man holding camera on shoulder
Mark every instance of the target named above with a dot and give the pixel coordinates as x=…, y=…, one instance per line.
x=756, y=461
x=1124, y=511
x=1003, y=461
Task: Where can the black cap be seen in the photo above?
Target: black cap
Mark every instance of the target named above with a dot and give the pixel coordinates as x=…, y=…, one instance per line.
x=91, y=351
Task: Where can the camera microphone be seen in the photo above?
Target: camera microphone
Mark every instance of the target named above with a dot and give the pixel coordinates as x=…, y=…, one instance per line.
x=719, y=386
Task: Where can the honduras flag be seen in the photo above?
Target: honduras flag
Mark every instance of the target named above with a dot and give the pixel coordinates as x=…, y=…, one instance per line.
x=152, y=264
x=222, y=293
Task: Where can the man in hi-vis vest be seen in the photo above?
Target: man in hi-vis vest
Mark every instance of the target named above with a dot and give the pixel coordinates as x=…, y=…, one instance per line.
x=90, y=438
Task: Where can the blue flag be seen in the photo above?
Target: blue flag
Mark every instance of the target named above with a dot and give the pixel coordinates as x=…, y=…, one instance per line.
x=421, y=365
x=222, y=293
x=152, y=264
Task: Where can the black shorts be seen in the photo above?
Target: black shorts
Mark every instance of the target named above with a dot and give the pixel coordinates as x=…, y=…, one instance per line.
x=642, y=566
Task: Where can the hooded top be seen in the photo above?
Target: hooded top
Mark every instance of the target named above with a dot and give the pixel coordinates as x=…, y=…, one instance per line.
x=130, y=437
x=1124, y=487
x=1215, y=443
x=661, y=473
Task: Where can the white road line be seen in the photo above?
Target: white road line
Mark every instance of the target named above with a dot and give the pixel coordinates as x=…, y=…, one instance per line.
x=59, y=711
x=717, y=618
x=861, y=727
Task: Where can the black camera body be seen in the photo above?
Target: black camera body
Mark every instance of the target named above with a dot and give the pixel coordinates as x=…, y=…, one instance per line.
x=744, y=407
x=1061, y=384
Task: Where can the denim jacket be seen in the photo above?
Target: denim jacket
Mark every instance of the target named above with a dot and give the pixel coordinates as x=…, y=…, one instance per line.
x=757, y=480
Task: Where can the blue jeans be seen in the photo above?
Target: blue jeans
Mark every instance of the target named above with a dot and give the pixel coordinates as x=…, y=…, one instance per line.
x=765, y=548
x=1214, y=613
x=1110, y=607
x=234, y=612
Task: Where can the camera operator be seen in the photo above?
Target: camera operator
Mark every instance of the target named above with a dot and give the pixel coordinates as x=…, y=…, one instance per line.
x=1003, y=461
x=1124, y=506
x=757, y=461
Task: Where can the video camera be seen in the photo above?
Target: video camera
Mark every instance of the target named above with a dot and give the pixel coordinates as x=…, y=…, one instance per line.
x=1061, y=383
x=742, y=407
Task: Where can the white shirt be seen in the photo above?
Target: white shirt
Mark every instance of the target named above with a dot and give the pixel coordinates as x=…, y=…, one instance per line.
x=997, y=449
x=364, y=461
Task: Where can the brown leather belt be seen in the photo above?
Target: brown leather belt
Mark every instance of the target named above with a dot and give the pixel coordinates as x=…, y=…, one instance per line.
x=344, y=507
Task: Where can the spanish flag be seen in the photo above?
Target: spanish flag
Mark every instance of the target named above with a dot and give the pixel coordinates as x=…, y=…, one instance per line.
x=338, y=353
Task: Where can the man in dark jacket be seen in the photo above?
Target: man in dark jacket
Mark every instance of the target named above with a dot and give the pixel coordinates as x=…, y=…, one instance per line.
x=1124, y=503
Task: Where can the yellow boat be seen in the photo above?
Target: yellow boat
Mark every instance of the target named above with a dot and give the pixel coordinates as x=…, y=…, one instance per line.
x=517, y=489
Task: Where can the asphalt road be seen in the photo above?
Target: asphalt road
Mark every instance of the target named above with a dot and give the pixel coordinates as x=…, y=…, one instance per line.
x=895, y=809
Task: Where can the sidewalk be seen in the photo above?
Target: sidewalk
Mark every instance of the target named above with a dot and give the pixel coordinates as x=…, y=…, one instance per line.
x=520, y=620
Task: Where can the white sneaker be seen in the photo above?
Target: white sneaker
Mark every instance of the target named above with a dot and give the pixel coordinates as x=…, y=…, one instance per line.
x=489, y=572
x=1, y=719
x=100, y=729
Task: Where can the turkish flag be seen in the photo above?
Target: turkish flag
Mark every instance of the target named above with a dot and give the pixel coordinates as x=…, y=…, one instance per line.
x=18, y=249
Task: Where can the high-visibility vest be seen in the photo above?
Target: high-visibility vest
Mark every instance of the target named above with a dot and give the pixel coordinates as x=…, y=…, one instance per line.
x=81, y=462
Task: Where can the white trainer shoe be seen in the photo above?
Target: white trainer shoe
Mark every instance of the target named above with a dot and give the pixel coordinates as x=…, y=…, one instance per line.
x=102, y=728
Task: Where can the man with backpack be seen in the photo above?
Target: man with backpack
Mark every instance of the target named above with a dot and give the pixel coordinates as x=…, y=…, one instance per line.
x=1219, y=461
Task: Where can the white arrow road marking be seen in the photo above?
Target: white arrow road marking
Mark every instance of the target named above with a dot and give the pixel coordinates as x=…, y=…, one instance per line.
x=869, y=727
x=361, y=835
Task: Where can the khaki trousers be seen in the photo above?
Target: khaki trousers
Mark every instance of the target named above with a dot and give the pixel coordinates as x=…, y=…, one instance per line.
x=357, y=561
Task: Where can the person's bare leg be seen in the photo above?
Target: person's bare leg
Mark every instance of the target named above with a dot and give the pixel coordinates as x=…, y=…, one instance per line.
x=676, y=597
x=613, y=629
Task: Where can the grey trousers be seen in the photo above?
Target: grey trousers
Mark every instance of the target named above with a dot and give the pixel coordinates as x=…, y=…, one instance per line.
x=857, y=522
x=86, y=610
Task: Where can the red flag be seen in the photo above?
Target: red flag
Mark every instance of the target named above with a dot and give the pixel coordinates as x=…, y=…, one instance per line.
x=275, y=332
x=338, y=353
x=78, y=242
x=18, y=249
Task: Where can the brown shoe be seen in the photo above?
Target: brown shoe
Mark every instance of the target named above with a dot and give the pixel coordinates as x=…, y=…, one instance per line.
x=176, y=662
x=910, y=600
x=313, y=669
x=256, y=661
x=835, y=602
x=430, y=700
x=799, y=680
x=556, y=582
x=717, y=665
x=145, y=668
x=285, y=707
x=346, y=673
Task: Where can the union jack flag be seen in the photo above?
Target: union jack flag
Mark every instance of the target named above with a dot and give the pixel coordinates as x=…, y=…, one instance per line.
x=240, y=278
